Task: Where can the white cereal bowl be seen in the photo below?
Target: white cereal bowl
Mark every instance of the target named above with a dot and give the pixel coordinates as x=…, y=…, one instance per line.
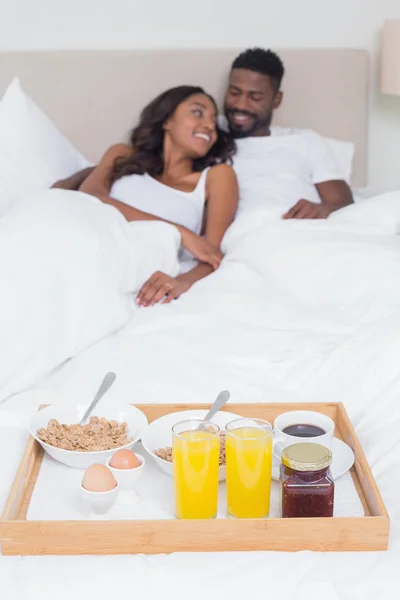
x=135, y=418
x=159, y=434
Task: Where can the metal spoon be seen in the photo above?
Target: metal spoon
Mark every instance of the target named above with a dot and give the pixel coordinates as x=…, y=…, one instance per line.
x=104, y=387
x=219, y=402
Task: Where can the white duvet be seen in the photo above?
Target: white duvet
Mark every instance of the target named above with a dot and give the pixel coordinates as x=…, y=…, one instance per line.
x=297, y=311
x=68, y=267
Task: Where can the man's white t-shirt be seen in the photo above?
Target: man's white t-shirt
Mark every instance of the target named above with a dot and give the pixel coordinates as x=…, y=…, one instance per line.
x=276, y=171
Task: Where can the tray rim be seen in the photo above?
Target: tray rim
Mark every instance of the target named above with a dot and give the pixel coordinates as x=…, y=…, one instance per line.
x=15, y=532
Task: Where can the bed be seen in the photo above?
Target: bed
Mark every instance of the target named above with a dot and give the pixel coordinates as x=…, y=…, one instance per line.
x=289, y=329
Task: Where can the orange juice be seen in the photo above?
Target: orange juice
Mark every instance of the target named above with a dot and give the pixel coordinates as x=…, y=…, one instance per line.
x=195, y=457
x=248, y=472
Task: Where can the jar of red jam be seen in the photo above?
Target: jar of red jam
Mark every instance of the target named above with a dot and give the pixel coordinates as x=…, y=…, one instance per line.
x=307, y=485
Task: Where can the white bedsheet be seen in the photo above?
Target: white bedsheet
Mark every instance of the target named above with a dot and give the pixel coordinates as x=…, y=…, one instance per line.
x=298, y=311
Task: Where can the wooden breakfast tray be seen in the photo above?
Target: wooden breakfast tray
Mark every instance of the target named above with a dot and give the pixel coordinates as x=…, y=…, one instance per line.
x=21, y=537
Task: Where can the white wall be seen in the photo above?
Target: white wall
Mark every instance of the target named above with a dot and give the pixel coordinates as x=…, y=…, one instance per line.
x=84, y=24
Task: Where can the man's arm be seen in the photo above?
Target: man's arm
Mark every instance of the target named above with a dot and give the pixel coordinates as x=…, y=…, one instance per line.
x=333, y=194
x=327, y=178
x=75, y=181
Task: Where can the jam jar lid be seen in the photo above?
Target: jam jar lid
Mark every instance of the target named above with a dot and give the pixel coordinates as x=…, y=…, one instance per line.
x=306, y=457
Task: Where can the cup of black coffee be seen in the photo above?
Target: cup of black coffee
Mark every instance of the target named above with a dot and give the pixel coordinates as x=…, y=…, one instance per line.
x=302, y=426
x=304, y=430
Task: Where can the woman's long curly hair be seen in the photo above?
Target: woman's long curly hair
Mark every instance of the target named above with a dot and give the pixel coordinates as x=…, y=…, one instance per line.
x=148, y=137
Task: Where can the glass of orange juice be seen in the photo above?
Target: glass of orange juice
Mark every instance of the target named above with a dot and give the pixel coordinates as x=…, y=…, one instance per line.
x=195, y=458
x=248, y=468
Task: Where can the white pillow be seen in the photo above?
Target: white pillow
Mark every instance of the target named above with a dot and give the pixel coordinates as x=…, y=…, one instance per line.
x=344, y=154
x=33, y=153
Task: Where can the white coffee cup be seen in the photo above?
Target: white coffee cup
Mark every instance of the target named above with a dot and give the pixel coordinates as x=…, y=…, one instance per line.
x=302, y=417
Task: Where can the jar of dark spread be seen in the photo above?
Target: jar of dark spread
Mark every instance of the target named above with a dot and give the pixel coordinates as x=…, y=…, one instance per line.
x=307, y=484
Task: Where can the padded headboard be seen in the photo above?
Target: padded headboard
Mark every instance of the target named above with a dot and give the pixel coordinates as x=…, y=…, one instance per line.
x=94, y=97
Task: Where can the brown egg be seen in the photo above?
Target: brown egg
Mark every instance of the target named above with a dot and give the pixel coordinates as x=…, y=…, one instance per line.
x=124, y=459
x=98, y=478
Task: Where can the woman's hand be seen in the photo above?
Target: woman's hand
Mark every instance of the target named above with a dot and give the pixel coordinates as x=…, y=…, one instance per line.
x=200, y=248
x=158, y=286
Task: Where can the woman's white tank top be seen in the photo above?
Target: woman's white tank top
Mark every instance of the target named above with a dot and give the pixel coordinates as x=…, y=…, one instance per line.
x=149, y=195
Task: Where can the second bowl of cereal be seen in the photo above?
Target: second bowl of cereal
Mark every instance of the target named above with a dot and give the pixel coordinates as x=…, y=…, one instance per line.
x=111, y=427
x=157, y=438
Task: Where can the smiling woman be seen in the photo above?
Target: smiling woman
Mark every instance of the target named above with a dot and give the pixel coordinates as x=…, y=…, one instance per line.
x=175, y=170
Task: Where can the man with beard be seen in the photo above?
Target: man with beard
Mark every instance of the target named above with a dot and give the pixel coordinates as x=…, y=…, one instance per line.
x=292, y=172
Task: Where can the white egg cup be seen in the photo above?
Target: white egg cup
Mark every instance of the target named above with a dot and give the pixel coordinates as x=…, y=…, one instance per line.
x=127, y=480
x=100, y=502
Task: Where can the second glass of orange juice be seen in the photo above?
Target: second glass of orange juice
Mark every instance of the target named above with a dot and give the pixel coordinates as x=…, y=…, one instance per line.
x=195, y=458
x=248, y=467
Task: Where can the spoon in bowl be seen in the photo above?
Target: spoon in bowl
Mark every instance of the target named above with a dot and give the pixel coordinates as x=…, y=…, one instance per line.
x=104, y=387
x=219, y=402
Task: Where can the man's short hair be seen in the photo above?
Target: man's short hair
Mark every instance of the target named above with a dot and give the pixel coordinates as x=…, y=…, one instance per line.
x=261, y=61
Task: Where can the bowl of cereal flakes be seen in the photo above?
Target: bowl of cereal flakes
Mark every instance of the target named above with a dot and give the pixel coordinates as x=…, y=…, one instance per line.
x=157, y=438
x=110, y=428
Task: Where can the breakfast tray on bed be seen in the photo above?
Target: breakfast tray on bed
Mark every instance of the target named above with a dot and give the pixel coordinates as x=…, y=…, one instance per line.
x=19, y=536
